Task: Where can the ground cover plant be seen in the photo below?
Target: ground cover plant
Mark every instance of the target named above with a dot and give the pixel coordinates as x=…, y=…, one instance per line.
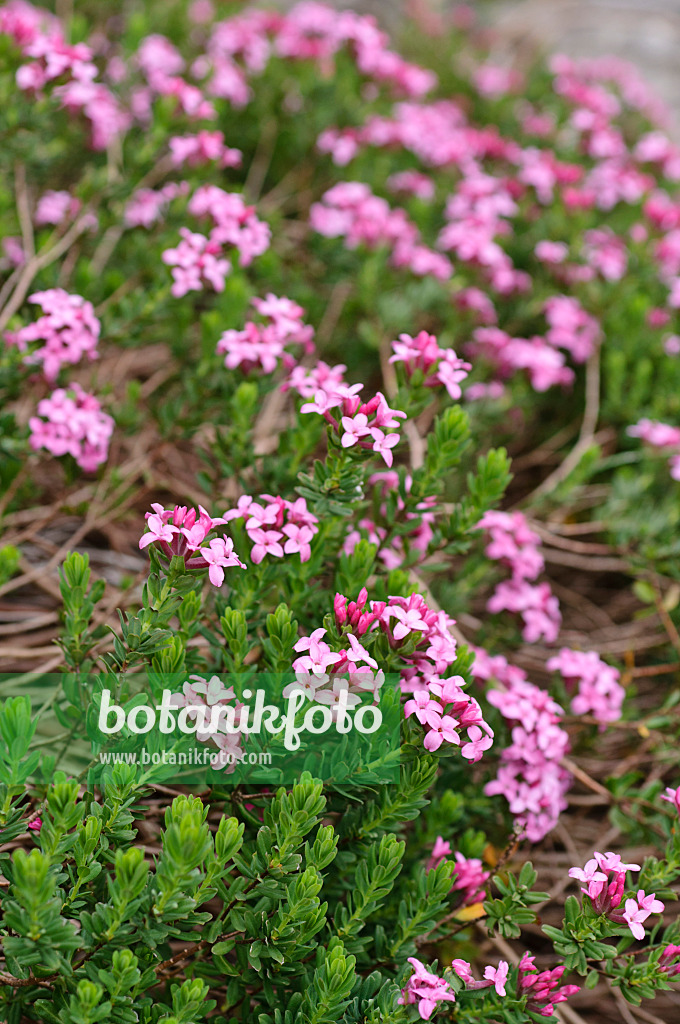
x=349, y=366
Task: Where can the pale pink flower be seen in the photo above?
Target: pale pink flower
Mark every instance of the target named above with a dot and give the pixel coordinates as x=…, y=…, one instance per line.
x=220, y=555
x=444, y=730
x=498, y=976
x=266, y=542
x=638, y=910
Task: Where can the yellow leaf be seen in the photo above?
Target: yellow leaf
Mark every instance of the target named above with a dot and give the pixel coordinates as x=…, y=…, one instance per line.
x=471, y=913
x=491, y=855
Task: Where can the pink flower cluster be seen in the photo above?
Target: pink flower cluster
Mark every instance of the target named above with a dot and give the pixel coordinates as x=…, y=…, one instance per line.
x=599, y=692
x=438, y=366
x=393, y=548
x=321, y=377
x=146, y=206
x=605, y=880
x=199, y=696
x=161, y=63
x=315, y=30
x=443, y=709
x=477, y=212
x=236, y=47
x=411, y=183
x=530, y=775
x=242, y=45
x=263, y=346
x=426, y=989
x=437, y=701
x=276, y=526
x=356, y=423
x=436, y=133
x=55, y=207
x=203, y=148
x=198, y=258
x=52, y=60
x=195, y=262
x=661, y=436
x=234, y=223
x=536, y=604
x=605, y=253
x=349, y=210
x=13, y=249
x=68, y=329
x=570, y=327
x=181, y=532
x=71, y=422
x=542, y=989
x=329, y=677
x=545, y=365
x=514, y=544
x=470, y=878
x=493, y=81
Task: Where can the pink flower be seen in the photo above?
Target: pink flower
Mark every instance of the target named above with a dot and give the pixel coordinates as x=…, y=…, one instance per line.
x=551, y=252
x=220, y=555
x=445, y=729
x=71, y=422
x=478, y=742
x=592, y=876
x=673, y=797
x=384, y=416
x=298, y=541
x=266, y=542
x=69, y=330
x=440, y=851
x=358, y=653
x=494, y=81
x=498, y=975
x=425, y=988
x=158, y=531
x=409, y=621
x=355, y=428
x=470, y=878
x=320, y=656
x=195, y=260
x=338, y=693
x=383, y=443
x=599, y=691
x=307, y=683
x=638, y=910
x=463, y=969
x=35, y=824
x=181, y=531
x=427, y=711
x=203, y=148
x=54, y=207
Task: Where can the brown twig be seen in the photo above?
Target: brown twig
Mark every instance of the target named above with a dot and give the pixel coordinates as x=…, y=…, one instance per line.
x=38, y=263
x=24, y=209
x=586, y=436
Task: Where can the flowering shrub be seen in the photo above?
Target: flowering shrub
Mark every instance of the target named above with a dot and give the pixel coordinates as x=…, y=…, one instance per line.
x=216, y=216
